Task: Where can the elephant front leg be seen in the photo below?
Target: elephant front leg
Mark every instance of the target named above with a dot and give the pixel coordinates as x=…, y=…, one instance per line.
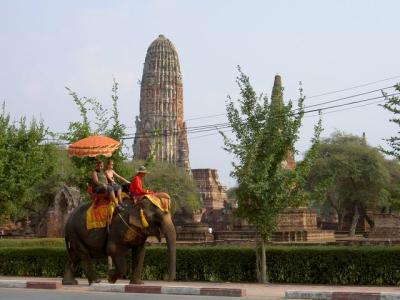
x=119, y=270
x=137, y=264
x=90, y=271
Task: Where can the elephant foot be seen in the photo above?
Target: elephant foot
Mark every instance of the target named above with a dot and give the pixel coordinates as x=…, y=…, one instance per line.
x=136, y=281
x=96, y=280
x=69, y=281
x=112, y=278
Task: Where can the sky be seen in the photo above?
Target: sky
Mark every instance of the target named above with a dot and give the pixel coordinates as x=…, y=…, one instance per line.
x=46, y=46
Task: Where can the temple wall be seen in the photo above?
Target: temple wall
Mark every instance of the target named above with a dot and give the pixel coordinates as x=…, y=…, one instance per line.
x=212, y=193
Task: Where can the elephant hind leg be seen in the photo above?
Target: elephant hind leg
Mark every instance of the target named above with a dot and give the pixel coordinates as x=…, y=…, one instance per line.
x=70, y=268
x=69, y=277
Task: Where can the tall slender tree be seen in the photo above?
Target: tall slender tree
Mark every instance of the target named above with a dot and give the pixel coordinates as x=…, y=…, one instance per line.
x=264, y=134
x=393, y=105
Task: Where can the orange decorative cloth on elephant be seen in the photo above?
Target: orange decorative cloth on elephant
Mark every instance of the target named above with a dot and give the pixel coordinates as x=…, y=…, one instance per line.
x=98, y=216
x=164, y=203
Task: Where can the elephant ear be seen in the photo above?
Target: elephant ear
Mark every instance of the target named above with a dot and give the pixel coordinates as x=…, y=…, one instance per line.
x=134, y=219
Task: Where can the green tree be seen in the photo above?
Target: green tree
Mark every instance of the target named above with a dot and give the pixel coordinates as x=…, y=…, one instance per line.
x=265, y=133
x=105, y=124
x=393, y=199
x=45, y=190
x=354, y=175
x=393, y=105
x=25, y=160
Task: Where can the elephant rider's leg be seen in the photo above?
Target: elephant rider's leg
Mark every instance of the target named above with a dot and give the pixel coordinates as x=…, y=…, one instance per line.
x=137, y=263
x=106, y=190
x=118, y=190
x=111, y=194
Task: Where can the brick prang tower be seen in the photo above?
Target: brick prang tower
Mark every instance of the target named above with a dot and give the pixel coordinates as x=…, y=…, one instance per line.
x=160, y=127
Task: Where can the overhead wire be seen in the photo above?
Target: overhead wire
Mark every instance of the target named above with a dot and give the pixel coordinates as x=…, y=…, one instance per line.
x=320, y=95
x=219, y=126
x=310, y=116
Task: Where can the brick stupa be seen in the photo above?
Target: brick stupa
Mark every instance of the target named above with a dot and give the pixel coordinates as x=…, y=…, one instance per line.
x=160, y=126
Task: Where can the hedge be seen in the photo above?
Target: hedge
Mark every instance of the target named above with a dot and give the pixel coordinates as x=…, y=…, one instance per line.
x=310, y=265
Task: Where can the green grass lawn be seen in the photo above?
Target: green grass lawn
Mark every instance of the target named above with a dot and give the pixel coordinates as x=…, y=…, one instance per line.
x=30, y=243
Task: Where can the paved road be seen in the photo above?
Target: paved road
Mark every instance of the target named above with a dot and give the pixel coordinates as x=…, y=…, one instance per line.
x=30, y=294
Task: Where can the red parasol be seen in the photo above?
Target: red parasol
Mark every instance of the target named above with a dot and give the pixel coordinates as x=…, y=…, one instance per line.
x=93, y=146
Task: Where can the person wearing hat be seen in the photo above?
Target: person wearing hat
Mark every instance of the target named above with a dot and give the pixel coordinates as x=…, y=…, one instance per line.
x=136, y=187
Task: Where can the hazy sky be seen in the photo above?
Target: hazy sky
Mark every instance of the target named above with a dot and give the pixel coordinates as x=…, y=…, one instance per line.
x=328, y=45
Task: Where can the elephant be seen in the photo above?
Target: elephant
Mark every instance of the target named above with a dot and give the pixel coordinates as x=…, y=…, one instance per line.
x=126, y=232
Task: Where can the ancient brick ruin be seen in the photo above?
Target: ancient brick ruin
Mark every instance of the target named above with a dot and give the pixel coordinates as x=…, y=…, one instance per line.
x=160, y=127
x=65, y=201
x=212, y=193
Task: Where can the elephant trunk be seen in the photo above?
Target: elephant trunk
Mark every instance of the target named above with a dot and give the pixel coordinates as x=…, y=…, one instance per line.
x=168, y=230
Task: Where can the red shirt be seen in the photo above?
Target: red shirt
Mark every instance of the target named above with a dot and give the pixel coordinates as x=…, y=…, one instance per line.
x=136, y=187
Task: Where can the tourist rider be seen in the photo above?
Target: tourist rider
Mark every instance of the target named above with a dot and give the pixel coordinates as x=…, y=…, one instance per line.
x=110, y=174
x=136, y=188
x=99, y=182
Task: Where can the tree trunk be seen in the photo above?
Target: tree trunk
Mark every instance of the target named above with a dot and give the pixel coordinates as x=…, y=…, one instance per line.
x=264, y=276
x=354, y=222
x=340, y=221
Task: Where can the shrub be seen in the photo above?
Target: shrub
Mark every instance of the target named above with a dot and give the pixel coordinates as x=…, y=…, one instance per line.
x=310, y=265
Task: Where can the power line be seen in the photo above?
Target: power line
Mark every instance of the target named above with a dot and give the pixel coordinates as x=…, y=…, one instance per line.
x=325, y=94
x=349, y=97
x=311, y=116
x=353, y=87
x=219, y=126
x=344, y=109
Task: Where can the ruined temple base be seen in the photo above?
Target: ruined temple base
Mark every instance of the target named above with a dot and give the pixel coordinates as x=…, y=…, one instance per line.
x=386, y=226
x=194, y=232
x=300, y=225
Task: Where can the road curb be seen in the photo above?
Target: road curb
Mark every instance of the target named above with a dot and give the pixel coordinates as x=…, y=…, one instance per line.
x=170, y=290
x=13, y=283
x=323, y=295
x=46, y=285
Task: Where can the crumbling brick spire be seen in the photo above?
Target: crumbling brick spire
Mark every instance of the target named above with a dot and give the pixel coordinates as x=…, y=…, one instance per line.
x=160, y=126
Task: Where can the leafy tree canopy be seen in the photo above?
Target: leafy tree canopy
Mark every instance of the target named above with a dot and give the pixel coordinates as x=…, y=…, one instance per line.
x=354, y=175
x=264, y=135
x=105, y=123
x=25, y=160
x=393, y=105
